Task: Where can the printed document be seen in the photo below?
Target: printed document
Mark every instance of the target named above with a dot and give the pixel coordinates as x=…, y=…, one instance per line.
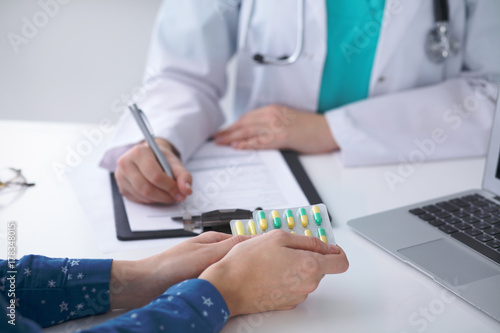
x=225, y=178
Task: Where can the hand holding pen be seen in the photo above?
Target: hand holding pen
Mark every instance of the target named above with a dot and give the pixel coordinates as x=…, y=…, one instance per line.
x=151, y=172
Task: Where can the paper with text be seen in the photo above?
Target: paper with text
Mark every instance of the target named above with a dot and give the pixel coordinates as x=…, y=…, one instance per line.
x=225, y=178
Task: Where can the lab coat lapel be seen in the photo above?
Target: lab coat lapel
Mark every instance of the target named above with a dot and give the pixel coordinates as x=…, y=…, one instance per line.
x=398, y=17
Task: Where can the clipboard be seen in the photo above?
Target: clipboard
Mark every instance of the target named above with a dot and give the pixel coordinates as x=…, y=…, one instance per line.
x=124, y=233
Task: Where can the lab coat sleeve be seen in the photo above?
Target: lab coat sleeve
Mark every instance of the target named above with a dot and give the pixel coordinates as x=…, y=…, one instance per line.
x=451, y=119
x=185, y=76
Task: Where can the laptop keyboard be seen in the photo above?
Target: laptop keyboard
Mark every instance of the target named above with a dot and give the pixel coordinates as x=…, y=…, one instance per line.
x=472, y=220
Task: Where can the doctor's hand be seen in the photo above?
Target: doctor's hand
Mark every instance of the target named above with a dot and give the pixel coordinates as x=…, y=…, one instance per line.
x=279, y=127
x=274, y=271
x=140, y=177
x=136, y=283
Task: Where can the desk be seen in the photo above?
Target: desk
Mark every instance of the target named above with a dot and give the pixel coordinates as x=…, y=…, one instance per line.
x=377, y=294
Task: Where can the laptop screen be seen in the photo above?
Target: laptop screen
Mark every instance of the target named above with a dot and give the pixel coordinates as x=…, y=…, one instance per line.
x=498, y=167
x=491, y=180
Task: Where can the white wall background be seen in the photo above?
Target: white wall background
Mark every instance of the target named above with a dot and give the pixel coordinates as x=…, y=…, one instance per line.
x=88, y=54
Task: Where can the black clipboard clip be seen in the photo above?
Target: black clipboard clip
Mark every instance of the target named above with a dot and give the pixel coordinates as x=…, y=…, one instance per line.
x=217, y=220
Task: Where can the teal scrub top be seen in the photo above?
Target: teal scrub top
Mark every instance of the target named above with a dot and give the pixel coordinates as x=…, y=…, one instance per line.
x=352, y=38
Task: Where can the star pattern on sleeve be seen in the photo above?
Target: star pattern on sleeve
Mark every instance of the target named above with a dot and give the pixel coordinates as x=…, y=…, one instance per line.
x=193, y=306
x=226, y=315
x=58, y=288
x=207, y=301
x=63, y=306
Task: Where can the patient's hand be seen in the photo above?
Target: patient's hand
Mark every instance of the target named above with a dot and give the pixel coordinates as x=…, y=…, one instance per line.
x=136, y=283
x=274, y=271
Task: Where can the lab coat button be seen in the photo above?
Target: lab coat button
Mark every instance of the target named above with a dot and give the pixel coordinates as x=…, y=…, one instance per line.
x=381, y=79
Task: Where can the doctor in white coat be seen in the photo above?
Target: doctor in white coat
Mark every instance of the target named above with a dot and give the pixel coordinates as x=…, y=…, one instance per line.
x=415, y=109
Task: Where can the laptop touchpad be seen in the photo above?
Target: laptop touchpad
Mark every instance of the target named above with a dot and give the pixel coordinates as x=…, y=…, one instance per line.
x=449, y=262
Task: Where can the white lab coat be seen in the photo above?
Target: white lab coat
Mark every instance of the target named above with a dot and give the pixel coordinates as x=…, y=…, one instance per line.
x=413, y=105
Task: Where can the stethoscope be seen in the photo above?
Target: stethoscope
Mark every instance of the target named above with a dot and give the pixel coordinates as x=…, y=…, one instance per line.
x=284, y=60
x=440, y=44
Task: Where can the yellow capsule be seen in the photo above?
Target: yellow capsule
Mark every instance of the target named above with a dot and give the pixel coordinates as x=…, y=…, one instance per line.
x=322, y=235
x=307, y=232
x=262, y=220
x=317, y=215
x=303, y=217
x=276, y=219
x=251, y=227
x=293, y=232
x=289, y=218
x=240, y=230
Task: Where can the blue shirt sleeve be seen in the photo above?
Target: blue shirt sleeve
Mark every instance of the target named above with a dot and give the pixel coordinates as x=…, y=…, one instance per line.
x=51, y=291
x=190, y=306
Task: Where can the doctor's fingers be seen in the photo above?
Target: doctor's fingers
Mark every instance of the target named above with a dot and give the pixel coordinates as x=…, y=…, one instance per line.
x=236, y=134
x=258, y=118
x=257, y=137
x=270, y=116
x=147, y=189
x=124, y=187
x=263, y=140
x=183, y=178
x=144, y=160
x=158, y=185
x=132, y=187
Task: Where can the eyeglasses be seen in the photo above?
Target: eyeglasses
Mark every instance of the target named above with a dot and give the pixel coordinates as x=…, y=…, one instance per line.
x=12, y=180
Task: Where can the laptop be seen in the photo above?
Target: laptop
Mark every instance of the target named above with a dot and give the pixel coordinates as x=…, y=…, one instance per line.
x=454, y=239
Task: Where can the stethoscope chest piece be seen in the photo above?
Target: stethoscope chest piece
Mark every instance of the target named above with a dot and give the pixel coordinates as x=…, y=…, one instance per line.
x=440, y=44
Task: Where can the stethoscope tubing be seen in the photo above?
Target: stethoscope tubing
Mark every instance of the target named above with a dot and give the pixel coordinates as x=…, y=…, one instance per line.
x=441, y=19
x=284, y=60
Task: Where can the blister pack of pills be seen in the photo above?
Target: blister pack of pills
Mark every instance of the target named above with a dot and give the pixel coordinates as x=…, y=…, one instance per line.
x=307, y=220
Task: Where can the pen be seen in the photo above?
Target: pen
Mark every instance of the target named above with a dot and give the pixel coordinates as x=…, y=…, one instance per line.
x=147, y=131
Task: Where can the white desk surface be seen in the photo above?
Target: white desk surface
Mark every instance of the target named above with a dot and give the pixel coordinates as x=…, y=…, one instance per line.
x=377, y=294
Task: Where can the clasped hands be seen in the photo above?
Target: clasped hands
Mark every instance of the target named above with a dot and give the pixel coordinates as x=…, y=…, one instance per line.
x=274, y=271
